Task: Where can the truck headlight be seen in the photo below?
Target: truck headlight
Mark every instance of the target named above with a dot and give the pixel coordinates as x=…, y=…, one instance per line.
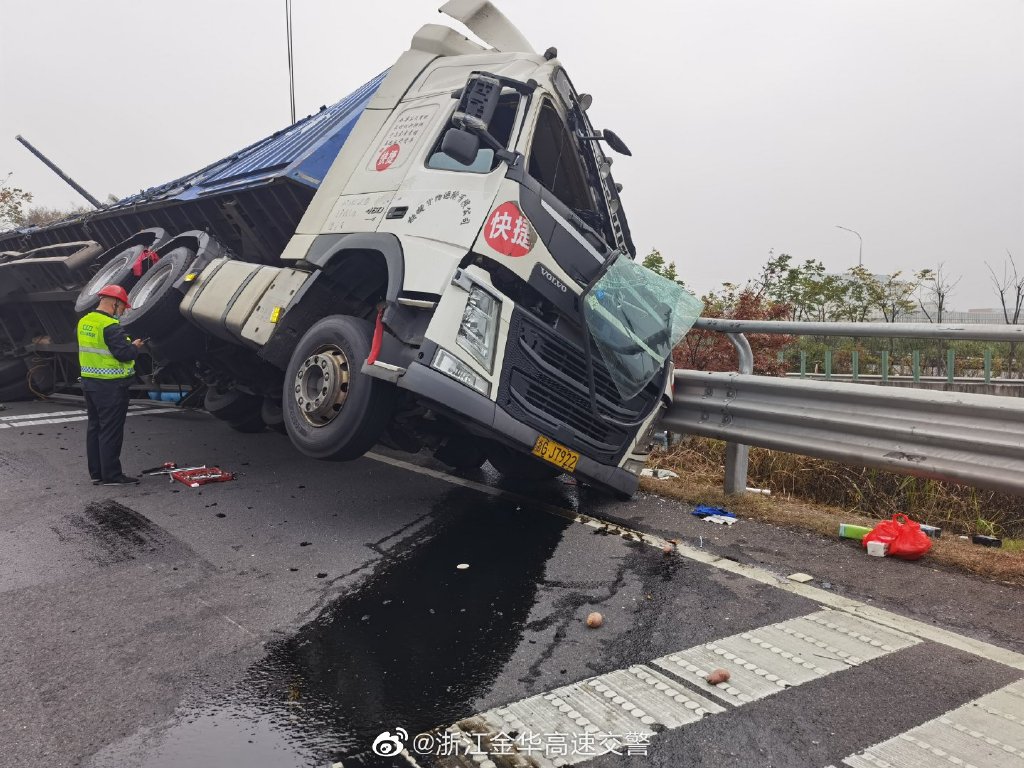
x=478, y=332
x=448, y=364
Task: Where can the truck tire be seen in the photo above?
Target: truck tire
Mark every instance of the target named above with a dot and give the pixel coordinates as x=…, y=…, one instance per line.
x=117, y=271
x=273, y=415
x=518, y=466
x=154, y=298
x=331, y=410
x=230, y=405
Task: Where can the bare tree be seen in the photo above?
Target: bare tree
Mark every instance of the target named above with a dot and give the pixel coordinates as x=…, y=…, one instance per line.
x=937, y=287
x=1010, y=288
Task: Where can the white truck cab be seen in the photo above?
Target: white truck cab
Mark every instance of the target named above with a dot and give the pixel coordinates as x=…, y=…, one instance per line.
x=463, y=278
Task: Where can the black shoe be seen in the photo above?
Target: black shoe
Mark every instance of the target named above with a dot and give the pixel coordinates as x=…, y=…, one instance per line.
x=121, y=480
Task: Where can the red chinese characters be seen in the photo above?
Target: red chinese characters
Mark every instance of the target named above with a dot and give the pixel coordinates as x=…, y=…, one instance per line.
x=387, y=157
x=508, y=231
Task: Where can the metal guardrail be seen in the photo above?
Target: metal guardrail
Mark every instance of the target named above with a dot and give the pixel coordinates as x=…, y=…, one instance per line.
x=965, y=331
x=967, y=438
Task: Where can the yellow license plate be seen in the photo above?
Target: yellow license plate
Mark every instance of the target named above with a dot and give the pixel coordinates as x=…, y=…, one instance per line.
x=556, y=453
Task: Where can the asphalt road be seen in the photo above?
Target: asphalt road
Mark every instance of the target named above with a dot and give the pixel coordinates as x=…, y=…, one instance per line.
x=290, y=617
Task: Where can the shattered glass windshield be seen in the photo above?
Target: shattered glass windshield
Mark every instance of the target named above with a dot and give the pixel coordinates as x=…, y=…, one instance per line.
x=636, y=317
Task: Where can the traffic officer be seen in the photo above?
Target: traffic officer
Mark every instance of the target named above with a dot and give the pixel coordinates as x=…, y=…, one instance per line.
x=106, y=357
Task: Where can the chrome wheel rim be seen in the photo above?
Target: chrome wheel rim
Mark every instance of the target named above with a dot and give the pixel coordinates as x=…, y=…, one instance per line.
x=321, y=385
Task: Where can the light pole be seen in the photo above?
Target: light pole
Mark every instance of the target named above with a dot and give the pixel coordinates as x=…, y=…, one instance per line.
x=860, y=251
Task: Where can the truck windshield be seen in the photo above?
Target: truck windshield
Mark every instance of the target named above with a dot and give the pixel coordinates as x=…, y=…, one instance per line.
x=636, y=317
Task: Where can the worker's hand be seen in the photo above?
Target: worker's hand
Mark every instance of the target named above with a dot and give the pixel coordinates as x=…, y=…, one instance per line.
x=138, y=343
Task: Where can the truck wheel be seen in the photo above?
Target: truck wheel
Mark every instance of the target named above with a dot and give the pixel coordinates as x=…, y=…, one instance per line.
x=273, y=415
x=117, y=271
x=231, y=405
x=332, y=410
x=518, y=466
x=154, y=299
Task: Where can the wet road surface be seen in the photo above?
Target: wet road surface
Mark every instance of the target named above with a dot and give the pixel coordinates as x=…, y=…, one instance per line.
x=292, y=616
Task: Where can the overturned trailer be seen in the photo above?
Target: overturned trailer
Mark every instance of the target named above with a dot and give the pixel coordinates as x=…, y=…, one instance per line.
x=249, y=203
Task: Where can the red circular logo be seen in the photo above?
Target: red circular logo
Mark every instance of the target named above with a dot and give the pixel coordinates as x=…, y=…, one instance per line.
x=508, y=231
x=387, y=157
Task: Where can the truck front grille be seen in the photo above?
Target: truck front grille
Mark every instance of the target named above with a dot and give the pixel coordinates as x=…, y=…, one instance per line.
x=544, y=384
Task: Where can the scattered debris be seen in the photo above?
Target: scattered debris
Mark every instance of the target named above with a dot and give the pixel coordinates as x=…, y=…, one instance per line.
x=986, y=541
x=195, y=477
x=658, y=474
x=877, y=548
x=462, y=566
x=321, y=575
x=931, y=531
x=855, y=532
x=718, y=677
x=902, y=537
x=305, y=543
x=800, y=578
x=762, y=491
x=716, y=515
x=595, y=620
x=669, y=548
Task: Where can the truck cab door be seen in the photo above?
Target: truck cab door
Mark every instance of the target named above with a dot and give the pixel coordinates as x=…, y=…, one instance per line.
x=441, y=203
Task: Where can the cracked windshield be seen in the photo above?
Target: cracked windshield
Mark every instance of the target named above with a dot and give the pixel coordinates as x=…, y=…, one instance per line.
x=636, y=317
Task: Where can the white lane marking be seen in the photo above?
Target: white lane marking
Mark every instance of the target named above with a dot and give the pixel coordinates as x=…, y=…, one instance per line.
x=764, y=661
x=824, y=597
x=41, y=415
x=987, y=732
x=82, y=416
x=628, y=704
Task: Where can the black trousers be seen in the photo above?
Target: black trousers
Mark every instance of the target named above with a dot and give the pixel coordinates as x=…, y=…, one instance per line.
x=106, y=402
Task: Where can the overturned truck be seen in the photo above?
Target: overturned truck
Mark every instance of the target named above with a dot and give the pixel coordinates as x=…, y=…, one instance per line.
x=439, y=261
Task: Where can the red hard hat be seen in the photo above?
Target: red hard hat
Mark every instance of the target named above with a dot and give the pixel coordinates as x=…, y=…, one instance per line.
x=115, y=292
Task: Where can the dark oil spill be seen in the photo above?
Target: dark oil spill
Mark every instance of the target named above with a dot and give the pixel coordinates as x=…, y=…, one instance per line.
x=413, y=647
x=114, y=533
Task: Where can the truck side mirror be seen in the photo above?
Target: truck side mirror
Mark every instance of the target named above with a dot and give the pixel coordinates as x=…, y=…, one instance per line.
x=478, y=103
x=460, y=145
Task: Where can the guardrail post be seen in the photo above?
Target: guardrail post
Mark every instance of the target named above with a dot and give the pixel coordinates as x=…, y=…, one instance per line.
x=916, y=363
x=988, y=366
x=803, y=364
x=855, y=364
x=737, y=457
x=885, y=366
x=950, y=364
x=828, y=365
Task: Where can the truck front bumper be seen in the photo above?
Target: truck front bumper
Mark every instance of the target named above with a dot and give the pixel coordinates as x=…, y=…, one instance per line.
x=495, y=423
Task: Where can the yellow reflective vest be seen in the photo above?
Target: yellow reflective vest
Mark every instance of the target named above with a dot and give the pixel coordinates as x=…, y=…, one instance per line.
x=94, y=357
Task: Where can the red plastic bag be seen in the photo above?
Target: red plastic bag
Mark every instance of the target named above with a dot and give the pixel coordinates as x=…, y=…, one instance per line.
x=904, y=537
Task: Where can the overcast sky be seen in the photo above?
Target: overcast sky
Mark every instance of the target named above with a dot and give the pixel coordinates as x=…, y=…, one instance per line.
x=754, y=125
